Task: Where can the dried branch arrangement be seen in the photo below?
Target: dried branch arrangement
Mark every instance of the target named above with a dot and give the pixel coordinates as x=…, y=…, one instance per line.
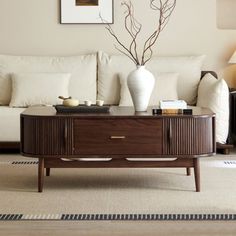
x=164, y=8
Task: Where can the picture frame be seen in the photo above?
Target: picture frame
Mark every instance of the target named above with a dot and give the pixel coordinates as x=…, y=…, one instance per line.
x=87, y=12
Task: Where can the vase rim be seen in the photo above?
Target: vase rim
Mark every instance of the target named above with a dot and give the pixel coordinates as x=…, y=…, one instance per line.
x=140, y=66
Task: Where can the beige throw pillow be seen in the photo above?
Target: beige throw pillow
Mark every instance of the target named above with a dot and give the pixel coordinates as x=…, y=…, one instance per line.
x=214, y=94
x=30, y=89
x=165, y=88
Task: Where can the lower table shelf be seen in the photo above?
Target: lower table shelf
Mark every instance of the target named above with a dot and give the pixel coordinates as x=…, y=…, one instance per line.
x=49, y=163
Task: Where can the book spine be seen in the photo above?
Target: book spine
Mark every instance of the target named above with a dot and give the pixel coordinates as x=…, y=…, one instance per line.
x=171, y=111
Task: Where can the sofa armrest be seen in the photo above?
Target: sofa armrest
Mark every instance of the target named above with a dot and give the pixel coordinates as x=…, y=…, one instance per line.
x=211, y=72
x=232, y=116
x=225, y=148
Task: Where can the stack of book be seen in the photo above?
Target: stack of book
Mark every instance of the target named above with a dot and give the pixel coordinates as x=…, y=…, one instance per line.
x=173, y=104
x=172, y=107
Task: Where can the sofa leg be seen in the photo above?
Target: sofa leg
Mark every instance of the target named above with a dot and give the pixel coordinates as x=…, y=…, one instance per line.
x=224, y=148
x=47, y=171
x=226, y=151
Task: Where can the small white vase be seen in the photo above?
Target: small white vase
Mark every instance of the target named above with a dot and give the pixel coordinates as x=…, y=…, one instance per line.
x=140, y=83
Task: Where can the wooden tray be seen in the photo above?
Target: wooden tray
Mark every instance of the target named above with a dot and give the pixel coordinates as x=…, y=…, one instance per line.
x=82, y=109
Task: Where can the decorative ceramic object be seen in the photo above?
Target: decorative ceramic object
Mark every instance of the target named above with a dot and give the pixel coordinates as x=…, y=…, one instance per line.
x=140, y=83
x=88, y=103
x=99, y=103
x=69, y=102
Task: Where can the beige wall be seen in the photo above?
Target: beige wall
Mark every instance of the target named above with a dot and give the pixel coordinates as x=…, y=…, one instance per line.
x=226, y=8
x=31, y=27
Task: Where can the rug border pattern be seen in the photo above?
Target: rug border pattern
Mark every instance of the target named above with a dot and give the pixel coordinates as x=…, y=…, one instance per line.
x=117, y=217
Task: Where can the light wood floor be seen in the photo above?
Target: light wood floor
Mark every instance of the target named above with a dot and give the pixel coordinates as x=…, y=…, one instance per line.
x=117, y=228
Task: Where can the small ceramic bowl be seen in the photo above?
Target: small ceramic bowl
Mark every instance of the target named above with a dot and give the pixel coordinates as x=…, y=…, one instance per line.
x=88, y=103
x=99, y=103
x=70, y=102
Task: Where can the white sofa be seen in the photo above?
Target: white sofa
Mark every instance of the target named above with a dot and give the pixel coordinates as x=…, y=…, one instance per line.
x=97, y=76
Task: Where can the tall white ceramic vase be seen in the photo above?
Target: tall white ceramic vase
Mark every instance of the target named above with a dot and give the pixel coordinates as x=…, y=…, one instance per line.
x=140, y=83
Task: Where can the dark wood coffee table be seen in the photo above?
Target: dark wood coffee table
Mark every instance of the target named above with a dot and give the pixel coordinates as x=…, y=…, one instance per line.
x=121, y=134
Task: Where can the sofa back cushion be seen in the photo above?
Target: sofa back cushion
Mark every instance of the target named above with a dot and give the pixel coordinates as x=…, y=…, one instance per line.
x=82, y=69
x=110, y=66
x=160, y=90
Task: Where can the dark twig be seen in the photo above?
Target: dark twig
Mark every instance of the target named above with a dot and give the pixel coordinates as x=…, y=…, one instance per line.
x=164, y=7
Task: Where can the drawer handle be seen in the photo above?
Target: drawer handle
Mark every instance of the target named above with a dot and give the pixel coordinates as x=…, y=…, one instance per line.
x=117, y=137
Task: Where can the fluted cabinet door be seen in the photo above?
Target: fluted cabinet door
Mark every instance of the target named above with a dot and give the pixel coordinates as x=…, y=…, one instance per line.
x=46, y=136
x=188, y=136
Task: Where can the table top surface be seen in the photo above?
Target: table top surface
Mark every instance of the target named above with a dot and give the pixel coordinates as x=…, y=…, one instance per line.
x=115, y=111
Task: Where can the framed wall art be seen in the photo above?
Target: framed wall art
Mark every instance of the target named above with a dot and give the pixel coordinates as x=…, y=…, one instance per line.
x=86, y=11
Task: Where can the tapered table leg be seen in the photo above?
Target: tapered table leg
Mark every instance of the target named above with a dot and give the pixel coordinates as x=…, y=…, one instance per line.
x=47, y=171
x=40, y=174
x=188, y=171
x=197, y=173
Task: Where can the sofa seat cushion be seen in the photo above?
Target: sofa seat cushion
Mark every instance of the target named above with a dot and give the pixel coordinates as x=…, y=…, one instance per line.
x=110, y=66
x=10, y=124
x=214, y=94
x=83, y=70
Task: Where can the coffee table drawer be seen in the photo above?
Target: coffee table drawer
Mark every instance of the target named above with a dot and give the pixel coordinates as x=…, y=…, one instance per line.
x=117, y=136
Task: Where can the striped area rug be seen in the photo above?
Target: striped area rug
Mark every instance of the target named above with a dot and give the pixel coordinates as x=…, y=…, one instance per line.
x=111, y=217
